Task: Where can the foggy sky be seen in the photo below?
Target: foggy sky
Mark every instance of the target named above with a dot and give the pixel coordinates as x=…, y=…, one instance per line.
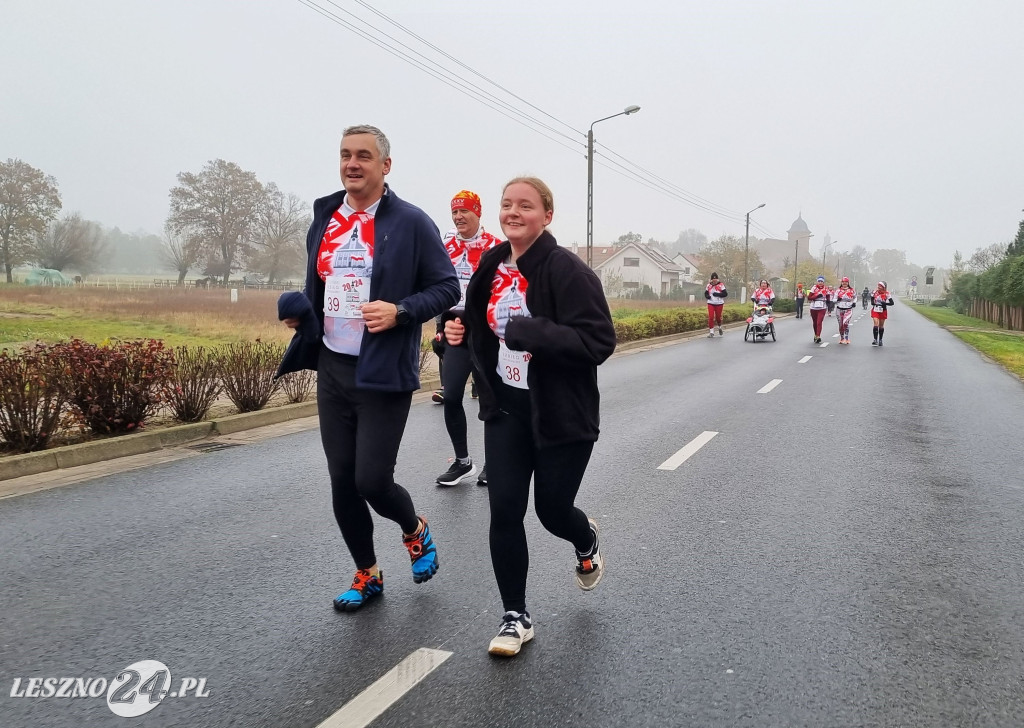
x=886, y=123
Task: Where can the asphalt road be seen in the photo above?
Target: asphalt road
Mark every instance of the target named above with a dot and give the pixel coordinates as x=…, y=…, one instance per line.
x=846, y=551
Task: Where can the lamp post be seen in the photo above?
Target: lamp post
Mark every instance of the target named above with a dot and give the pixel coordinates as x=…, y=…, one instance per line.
x=590, y=181
x=823, y=252
x=746, y=245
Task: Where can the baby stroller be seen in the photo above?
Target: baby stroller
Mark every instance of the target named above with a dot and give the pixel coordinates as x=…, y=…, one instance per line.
x=760, y=324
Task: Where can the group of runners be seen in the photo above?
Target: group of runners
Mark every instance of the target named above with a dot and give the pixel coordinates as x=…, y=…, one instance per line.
x=527, y=317
x=824, y=301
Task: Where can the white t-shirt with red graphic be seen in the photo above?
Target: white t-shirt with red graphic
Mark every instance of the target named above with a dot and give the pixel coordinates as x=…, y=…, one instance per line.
x=508, y=299
x=846, y=298
x=465, y=254
x=345, y=264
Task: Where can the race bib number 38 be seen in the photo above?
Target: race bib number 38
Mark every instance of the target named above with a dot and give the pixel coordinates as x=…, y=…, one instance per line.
x=513, y=366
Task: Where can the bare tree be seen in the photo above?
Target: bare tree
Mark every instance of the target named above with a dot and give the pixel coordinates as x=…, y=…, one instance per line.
x=628, y=238
x=280, y=235
x=70, y=243
x=28, y=201
x=690, y=241
x=889, y=264
x=179, y=252
x=217, y=208
x=985, y=258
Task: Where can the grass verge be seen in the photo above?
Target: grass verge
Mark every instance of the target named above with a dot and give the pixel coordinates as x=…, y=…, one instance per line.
x=1000, y=345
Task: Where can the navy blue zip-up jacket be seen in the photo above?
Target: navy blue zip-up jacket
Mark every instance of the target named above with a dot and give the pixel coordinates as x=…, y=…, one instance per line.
x=410, y=267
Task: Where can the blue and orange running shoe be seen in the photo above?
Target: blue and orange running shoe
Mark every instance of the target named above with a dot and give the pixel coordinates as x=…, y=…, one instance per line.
x=423, y=553
x=365, y=586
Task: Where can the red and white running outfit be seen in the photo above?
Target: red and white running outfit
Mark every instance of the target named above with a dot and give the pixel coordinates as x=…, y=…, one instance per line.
x=846, y=301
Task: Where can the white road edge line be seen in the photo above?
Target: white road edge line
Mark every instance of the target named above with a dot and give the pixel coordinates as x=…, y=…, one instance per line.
x=688, y=450
x=364, y=708
x=805, y=359
x=770, y=386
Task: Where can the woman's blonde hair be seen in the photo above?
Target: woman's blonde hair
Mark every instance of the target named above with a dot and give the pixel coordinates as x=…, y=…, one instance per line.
x=538, y=184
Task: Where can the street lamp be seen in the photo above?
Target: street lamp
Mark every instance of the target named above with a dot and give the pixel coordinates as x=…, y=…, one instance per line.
x=823, y=251
x=590, y=181
x=746, y=245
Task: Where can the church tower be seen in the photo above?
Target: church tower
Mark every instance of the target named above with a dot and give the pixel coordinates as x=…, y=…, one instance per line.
x=800, y=237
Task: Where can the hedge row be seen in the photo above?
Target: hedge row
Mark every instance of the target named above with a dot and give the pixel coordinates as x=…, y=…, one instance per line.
x=112, y=388
x=662, y=322
x=1002, y=284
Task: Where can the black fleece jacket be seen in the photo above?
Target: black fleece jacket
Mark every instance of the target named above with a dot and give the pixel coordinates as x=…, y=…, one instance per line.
x=568, y=333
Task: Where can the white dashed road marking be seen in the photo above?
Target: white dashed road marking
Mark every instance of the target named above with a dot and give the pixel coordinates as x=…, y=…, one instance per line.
x=823, y=345
x=805, y=359
x=770, y=386
x=365, y=707
x=684, y=454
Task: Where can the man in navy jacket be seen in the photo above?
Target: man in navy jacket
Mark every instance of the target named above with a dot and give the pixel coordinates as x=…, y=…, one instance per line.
x=376, y=270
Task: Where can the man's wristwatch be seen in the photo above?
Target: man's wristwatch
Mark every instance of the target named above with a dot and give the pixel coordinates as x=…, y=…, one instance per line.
x=402, y=318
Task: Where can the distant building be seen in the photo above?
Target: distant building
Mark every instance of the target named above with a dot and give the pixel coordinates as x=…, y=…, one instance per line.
x=634, y=265
x=689, y=264
x=774, y=253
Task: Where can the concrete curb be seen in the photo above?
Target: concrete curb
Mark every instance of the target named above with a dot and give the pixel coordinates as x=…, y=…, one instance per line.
x=86, y=453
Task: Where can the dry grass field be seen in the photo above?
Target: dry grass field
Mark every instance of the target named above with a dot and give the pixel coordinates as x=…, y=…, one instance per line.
x=196, y=317
x=178, y=316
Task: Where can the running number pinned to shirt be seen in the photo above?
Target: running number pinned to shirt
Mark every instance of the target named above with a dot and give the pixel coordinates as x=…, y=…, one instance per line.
x=513, y=366
x=344, y=295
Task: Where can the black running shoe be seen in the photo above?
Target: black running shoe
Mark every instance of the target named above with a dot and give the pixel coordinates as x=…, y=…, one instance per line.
x=455, y=474
x=482, y=479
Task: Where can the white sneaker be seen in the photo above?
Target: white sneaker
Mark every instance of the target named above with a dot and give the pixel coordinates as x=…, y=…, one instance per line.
x=590, y=566
x=711, y=333
x=516, y=630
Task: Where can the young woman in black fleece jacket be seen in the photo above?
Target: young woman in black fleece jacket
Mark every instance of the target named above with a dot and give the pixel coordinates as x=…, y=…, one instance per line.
x=538, y=325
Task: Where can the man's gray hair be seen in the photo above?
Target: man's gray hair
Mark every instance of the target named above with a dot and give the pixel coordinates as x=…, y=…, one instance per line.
x=383, y=145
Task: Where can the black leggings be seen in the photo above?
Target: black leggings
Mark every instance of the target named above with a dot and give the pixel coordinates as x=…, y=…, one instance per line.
x=361, y=431
x=557, y=473
x=457, y=368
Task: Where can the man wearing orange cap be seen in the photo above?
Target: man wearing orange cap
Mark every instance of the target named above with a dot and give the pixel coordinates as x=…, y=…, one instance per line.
x=465, y=244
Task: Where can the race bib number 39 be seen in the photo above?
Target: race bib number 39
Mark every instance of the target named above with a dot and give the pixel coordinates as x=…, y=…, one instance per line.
x=344, y=295
x=513, y=366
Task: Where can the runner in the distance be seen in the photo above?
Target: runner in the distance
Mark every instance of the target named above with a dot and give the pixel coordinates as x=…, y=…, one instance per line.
x=880, y=302
x=715, y=294
x=465, y=244
x=818, y=296
x=764, y=295
x=846, y=301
